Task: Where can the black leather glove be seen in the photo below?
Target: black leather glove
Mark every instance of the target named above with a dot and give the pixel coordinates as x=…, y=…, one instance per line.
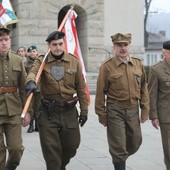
x=30, y=87
x=82, y=119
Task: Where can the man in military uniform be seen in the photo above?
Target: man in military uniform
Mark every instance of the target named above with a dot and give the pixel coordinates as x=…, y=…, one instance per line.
x=12, y=95
x=121, y=89
x=58, y=118
x=32, y=55
x=159, y=93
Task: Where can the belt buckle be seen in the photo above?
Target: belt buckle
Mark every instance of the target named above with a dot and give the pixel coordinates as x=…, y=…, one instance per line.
x=1, y=90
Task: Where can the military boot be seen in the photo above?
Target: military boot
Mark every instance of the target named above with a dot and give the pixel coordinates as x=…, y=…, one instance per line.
x=10, y=166
x=31, y=126
x=120, y=166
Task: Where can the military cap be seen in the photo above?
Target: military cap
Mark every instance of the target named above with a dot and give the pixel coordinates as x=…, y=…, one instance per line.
x=32, y=47
x=55, y=36
x=4, y=29
x=166, y=45
x=121, y=38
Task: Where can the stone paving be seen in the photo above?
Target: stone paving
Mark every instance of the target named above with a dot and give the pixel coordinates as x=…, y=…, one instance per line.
x=93, y=152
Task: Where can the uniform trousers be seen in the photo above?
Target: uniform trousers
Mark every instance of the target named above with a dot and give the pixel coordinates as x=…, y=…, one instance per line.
x=123, y=132
x=59, y=136
x=10, y=139
x=165, y=134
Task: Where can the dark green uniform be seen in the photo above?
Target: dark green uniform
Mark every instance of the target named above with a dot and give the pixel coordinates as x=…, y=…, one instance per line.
x=159, y=92
x=121, y=89
x=36, y=98
x=58, y=125
x=12, y=76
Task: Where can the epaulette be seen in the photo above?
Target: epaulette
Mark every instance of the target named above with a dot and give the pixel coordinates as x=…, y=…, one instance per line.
x=136, y=58
x=14, y=53
x=73, y=55
x=41, y=55
x=107, y=60
x=155, y=64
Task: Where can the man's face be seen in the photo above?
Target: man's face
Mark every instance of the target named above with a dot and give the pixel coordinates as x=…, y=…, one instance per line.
x=5, y=43
x=33, y=53
x=166, y=54
x=56, y=47
x=121, y=50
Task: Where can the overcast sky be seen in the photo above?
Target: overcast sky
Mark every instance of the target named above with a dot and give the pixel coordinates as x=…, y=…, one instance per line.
x=160, y=6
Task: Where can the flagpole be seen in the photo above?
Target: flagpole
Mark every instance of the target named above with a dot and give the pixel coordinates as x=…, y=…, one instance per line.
x=29, y=99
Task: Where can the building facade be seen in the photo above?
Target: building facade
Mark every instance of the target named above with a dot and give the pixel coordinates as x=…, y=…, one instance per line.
x=97, y=20
x=153, y=53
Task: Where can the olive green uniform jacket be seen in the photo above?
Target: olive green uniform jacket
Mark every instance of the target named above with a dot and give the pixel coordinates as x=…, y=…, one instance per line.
x=123, y=86
x=64, y=89
x=159, y=91
x=12, y=74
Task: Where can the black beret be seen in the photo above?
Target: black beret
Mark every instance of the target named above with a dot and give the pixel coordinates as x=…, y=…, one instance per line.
x=55, y=36
x=32, y=47
x=166, y=45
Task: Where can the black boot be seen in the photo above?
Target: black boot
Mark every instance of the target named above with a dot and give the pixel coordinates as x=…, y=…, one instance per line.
x=10, y=166
x=31, y=126
x=120, y=166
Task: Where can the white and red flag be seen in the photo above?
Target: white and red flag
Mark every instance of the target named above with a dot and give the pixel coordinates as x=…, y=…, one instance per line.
x=7, y=14
x=72, y=43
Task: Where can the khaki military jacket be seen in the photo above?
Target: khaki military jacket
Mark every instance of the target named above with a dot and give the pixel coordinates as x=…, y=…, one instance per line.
x=159, y=92
x=12, y=74
x=28, y=63
x=70, y=83
x=124, y=85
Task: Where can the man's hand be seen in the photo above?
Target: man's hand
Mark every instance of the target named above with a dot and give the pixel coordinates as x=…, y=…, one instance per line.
x=26, y=120
x=155, y=123
x=103, y=119
x=30, y=87
x=82, y=119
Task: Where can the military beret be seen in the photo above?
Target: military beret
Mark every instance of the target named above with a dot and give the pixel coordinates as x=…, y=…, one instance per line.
x=121, y=38
x=55, y=36
x=166, y=45
x=4, y=30
x=32, y=47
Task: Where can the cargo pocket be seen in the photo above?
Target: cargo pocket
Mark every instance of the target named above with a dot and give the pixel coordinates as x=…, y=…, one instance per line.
x=70, y=135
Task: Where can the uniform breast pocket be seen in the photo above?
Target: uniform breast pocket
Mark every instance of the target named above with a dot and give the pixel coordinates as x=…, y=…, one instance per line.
x=16, y=72
x=69, y=77
x=137, y=79
x=165, y=82
x=116, y=80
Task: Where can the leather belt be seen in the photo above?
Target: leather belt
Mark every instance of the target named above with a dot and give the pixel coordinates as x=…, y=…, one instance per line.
x=8, y=90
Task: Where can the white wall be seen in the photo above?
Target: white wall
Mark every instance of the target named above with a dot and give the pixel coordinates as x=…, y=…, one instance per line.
x=124, y=17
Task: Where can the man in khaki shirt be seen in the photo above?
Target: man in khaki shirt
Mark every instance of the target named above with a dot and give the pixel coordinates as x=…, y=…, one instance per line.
x=58, y=118
x=159, y=93
x=12, y=97
x=121, y=90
